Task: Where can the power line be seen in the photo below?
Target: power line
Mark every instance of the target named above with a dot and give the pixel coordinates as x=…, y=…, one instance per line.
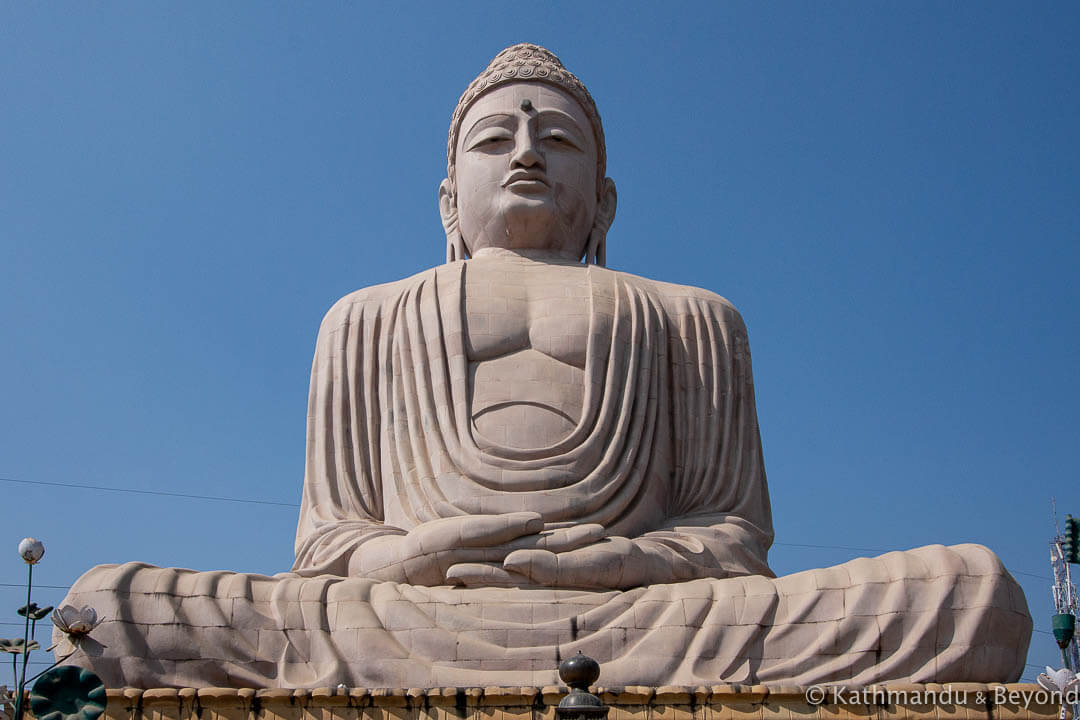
x=296, y=505
x=1041, y=577
x=831, y=547
x=151, y=492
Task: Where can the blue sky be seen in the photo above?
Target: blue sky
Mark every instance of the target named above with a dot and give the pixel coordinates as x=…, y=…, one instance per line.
x=888, y=192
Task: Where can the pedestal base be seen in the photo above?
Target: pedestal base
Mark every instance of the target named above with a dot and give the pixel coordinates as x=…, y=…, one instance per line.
x=959, y=701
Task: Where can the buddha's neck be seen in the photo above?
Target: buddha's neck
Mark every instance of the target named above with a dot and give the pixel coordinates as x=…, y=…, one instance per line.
x=526, y=253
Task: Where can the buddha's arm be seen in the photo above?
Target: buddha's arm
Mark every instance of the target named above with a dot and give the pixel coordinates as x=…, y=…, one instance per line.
x=720, y=520
x=342, y=500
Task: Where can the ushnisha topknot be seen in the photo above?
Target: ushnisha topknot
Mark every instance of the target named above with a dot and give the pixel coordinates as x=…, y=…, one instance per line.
x=526, y=62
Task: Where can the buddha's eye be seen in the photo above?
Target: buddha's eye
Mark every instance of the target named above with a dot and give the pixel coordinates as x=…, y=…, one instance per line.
x=491, y=140
x=558, y=137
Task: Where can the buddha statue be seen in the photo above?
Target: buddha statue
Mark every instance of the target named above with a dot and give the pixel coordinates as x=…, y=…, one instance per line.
x=521, y=454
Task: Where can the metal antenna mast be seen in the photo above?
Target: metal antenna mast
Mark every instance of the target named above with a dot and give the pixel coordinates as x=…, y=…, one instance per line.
x=1063, y=551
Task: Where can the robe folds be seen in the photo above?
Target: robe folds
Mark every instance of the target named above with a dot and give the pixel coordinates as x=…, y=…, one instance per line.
x=667, y=447
x=666, y=452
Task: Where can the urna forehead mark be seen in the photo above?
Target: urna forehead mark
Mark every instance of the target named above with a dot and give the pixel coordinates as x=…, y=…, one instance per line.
x=529, y=63
x=549, y=104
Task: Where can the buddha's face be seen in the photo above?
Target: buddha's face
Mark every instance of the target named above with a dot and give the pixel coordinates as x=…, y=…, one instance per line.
x=526, y=171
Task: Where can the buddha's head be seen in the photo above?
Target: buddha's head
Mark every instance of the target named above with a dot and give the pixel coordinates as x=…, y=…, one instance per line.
x=525, y=163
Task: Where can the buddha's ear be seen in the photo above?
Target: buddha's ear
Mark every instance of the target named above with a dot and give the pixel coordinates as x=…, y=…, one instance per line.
x=596, y=253
x=455, y=246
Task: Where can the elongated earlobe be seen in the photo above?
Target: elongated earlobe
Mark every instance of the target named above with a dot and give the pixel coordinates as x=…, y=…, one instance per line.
x=455, y=249
x=596, y=250
x=455, y=245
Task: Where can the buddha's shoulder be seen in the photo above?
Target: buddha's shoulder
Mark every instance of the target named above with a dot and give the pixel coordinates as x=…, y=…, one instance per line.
x=684, y=299
x=374, y=297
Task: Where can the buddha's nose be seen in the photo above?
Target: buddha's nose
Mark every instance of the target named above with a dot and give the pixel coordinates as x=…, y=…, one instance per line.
x=526, y=153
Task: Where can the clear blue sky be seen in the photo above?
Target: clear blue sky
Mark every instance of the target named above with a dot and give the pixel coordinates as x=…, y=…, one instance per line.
x=889, y=192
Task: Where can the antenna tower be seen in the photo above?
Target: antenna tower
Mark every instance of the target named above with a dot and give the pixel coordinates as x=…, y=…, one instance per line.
x=1063, y=551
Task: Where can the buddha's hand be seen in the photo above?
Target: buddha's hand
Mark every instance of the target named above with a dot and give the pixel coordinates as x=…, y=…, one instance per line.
x=616, y=563
x=467, y=550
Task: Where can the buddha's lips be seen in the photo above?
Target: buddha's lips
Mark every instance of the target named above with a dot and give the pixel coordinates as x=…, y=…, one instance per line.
x=525, y=175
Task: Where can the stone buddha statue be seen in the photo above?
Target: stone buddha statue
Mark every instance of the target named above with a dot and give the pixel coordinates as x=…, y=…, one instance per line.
x=521, y=454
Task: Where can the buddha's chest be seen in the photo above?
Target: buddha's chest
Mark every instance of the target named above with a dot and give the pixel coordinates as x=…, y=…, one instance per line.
x=510, y=308
x=526, y=335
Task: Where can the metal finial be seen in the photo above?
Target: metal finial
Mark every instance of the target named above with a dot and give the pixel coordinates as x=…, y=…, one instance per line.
x=579, y=672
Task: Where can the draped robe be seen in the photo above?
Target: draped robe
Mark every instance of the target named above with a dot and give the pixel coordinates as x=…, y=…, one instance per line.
x=666, y=452
x=667, y=438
